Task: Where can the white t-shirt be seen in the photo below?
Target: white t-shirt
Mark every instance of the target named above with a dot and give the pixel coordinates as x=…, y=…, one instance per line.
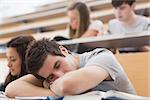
x=105, y=59
x=142, y=24
x=115, y=27
x=96, y=25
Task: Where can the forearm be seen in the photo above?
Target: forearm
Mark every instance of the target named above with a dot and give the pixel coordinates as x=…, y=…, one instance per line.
x=68, y=85
x=90, y=33
x=27, y=86
x=79, y=81
x=22, y=88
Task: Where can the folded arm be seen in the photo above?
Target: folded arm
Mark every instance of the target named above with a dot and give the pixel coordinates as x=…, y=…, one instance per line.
x=27, y=86
x=90, y=33
x=79, y=81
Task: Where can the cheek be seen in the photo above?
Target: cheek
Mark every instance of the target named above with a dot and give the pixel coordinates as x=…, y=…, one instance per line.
x=18, y=70
x=17, y=66
x=68, y=68
x=74, y=24
x=64, y=68
x=126, y=12
x=117, y=14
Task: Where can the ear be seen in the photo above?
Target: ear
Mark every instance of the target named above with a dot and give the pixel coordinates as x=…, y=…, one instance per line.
x=63, y=50
x=133, y=6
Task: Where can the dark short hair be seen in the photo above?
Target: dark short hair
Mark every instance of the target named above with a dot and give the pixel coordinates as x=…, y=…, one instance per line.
x=21, y=43
x=117, y=3
x=37, y=53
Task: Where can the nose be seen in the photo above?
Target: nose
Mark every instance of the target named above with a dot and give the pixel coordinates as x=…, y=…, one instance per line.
x=9, y=64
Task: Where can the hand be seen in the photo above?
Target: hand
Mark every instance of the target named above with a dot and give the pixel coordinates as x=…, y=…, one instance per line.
x=46, y=84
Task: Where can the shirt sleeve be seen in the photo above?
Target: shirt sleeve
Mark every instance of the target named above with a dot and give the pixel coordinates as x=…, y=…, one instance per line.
x=148, y=25
x=96, y=25
x=108, y=62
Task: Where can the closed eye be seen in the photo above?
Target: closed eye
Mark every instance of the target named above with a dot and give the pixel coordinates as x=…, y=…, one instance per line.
x=57, y=65
x=13, y=60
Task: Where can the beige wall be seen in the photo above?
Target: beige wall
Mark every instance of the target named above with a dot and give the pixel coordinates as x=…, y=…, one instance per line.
x=137, y=67
x=3, y=69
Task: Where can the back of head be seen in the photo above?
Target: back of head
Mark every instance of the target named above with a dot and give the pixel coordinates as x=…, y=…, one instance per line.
x=21, y=43
x=84, y=17
x=37, y=53
x=117, y=3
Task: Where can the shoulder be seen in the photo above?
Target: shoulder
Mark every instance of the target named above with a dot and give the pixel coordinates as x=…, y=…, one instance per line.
x=113, y=21
x=88, y=55
x=93, y=53
x=113, y=24
x=96, y=25
x=97, y=22
x=144, y=19
x=143, y=22
x=100, y=55
x=114, y=27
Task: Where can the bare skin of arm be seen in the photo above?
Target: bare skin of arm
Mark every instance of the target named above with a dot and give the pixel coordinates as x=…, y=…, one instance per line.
x=90, y=33
x=79, y=81
x=27, y=86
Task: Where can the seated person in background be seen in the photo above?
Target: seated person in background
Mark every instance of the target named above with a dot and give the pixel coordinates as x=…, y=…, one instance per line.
x=80, y=24
x=127, y=22
x=63, y=73
x=16, y=50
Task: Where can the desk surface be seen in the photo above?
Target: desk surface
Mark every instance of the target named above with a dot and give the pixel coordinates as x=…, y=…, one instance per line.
x=114, y=41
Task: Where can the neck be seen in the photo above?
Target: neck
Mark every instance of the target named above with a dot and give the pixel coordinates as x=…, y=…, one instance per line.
x=130, y=21
x=73, y=60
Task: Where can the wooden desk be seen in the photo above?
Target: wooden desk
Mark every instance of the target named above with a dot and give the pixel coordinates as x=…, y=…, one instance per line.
x=61, y=23
x=113, y=41
x=137, y=67
x=57, y=8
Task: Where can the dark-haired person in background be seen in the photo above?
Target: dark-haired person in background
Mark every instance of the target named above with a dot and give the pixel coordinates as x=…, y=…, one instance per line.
x=15, y=53
x=63, y=73
x=128, y=22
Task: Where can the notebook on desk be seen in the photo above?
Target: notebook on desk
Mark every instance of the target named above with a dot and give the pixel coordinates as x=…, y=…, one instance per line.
x=109, y=95
x=95, y=95
x=39, y=98
x=2, y=94
x=4, y=97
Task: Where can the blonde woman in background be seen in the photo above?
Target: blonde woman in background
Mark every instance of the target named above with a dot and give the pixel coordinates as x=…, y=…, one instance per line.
x=80, y=24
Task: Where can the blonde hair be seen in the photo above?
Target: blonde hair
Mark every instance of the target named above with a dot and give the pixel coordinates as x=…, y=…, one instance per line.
x=83, y=17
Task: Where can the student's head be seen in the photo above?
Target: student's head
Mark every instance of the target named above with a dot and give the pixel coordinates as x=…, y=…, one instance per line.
x=79, y=16
x=46, y=58
x=124, y=9
x=16, y=50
